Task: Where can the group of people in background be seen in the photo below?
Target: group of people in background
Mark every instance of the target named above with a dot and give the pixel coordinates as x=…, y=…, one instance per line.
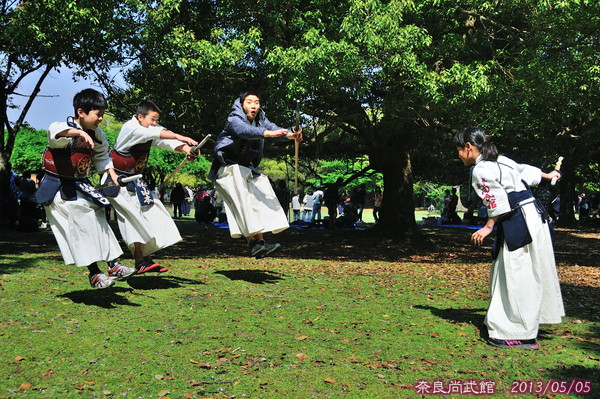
x=19, y=211
x=344, y=209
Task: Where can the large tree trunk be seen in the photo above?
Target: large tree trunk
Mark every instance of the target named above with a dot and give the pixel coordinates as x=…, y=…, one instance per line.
x=398, y=206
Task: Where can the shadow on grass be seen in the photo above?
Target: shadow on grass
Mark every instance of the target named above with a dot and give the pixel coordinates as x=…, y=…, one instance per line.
x=160, y=282
x=579, y=377
x=108, y=298
x=581, y=302
x=470, y=316
x=20, y=249
x=13, y=264
x=252, y=276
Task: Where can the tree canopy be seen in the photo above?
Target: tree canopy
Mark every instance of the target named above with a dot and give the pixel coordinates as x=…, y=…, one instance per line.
x=391, y=79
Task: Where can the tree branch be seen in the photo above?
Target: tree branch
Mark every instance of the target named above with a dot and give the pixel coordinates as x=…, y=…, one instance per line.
x=493, y=22
x=12, y=131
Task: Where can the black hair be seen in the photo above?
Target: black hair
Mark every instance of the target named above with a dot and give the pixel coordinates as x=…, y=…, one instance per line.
x=477, y=137
x=146, y=106
x=88, y=100
x=247, y=93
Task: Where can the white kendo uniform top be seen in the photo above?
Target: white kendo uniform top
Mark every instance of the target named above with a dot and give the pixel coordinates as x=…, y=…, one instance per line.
x=133, y=133
x=493, y=180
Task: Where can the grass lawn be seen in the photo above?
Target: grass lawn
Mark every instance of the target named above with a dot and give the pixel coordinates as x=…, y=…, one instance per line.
x=334, y=314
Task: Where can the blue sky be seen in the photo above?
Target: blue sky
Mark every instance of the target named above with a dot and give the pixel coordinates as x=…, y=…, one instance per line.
x=54, y=102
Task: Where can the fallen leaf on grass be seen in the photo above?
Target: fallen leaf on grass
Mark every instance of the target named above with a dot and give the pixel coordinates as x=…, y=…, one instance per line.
x=201, y=364
x=25, y=386
x=162, y=394
x=301, y=337
x=329, y=380
x=19, y=358
x=406, y=385
x=159, y=377
x=301, y=356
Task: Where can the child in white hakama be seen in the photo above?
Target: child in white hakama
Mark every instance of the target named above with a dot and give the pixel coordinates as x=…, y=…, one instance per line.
x=525, y=291
x=144, y=222
x=75, y=210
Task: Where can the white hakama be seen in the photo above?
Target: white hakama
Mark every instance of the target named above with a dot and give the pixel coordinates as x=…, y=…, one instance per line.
x=524, y=286
x=152, y=226
x=250, y=202
x=82, y=231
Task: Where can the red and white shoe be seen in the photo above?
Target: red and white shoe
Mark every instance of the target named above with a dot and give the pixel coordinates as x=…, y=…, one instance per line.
x=117, y=271
x=148, y=265
x=100, y=280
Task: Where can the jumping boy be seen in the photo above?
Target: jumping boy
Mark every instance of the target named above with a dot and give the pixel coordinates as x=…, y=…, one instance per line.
x=251, y=204
x=74, y=208
x=144, y=222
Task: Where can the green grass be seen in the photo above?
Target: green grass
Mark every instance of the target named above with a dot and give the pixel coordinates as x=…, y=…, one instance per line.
x=221, y=325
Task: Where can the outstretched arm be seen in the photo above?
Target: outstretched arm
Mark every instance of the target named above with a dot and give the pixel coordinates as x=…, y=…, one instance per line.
x=167, y=134
x=551, y=175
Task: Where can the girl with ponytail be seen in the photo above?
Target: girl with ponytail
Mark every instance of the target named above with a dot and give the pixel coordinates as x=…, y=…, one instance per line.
x=524, y=286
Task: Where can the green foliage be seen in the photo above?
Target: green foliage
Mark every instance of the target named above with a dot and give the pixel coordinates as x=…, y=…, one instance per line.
x=277, y=169
x=29, y=146
x=431, y=193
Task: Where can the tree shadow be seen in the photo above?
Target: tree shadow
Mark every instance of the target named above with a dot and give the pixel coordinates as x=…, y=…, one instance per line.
x=8, y=263
x=469, y=316
x=108, y=298
x=160, y=282
x=581, y=302
x=579, y=376
x=252, y=276
x=17, y=248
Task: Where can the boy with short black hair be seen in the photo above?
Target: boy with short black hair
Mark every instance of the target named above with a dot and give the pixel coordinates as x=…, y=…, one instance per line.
x=144, y=222
x=74, y=208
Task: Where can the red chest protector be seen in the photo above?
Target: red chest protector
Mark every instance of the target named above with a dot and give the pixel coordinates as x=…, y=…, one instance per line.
x=133, y=161
x=72, y=161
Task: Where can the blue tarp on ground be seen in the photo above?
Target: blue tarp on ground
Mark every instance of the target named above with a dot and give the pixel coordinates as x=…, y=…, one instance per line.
x=308, y=226
x=460, y=226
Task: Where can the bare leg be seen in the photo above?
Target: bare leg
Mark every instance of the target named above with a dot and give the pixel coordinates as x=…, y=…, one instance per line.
x=137, y=251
